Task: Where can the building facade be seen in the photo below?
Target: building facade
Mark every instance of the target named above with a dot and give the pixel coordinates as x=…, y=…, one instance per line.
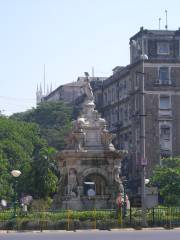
x=152, y=84
x=145, y=92
x=70, y=93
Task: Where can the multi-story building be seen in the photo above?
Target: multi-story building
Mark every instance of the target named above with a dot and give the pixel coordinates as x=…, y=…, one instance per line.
x=143, y=94
x=146, y=92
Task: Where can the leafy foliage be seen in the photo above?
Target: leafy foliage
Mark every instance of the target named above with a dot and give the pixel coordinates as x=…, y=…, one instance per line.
x=167, y=179
x=54, y=120
x=28, y=142
x=45, y=174
x=22, y=148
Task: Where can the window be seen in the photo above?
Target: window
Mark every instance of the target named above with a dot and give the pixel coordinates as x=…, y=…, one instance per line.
x=163, y=48
x=137, y=80
x=164, y=75
x=165, y=133
x=112, y=95
x=165, y=139
x=164, y=102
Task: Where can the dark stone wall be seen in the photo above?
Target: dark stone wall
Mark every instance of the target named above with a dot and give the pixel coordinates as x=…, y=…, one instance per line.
x=152, y=131
x=176, y=125
x=173, y=47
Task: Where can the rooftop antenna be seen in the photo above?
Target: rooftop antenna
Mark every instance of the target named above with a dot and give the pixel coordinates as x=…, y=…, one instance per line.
x=44, y=80
x=159, y=23
x=166, y=26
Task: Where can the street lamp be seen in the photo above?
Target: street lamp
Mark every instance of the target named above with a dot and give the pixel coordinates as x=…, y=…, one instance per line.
x=147, y=181
x=143, y=57
x=15, y=174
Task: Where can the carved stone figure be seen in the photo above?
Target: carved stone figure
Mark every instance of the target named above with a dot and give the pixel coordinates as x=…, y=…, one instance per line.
x=72, y=183
x=70, y=140
x=76, y=140
x=87, y=88
x=106, y=138
x=80, y=136
x=90, y=157
x=117, y=172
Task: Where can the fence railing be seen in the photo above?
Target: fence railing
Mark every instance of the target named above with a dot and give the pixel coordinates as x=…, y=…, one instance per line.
x=94, y=219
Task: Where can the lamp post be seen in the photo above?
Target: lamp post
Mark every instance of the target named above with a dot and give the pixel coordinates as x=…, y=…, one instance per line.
x=15, y=174
x=143, y=57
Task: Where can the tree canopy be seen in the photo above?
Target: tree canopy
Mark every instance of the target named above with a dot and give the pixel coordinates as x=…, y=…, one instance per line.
x=54, y=120
x=21, y=147
x=167, y=178
x=28, y=142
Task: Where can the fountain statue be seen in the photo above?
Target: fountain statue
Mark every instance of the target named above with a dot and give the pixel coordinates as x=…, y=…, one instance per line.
x=90, y=163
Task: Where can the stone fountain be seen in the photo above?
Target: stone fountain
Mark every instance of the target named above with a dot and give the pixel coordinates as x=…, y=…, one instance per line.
x=90, y=166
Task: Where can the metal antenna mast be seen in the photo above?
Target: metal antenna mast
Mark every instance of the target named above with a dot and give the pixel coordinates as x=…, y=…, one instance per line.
x=166, y=26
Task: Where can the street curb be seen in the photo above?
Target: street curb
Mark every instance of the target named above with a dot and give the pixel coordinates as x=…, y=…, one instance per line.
x=91, y=230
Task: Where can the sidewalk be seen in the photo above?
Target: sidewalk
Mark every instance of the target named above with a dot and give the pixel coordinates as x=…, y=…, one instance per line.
x=92, y=230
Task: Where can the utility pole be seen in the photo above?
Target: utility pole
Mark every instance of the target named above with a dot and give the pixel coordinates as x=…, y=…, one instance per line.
x=143, y=142
x=143, y=160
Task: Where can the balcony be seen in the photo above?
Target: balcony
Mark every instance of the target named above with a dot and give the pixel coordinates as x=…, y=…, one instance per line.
x=165, y=113
x=167, y=82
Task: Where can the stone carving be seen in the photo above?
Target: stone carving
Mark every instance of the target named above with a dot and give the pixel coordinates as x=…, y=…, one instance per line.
x=117, y=173
x=72, y=183
x=76, y=139
x=89, y=152
x=87, y=88
x=106, y=139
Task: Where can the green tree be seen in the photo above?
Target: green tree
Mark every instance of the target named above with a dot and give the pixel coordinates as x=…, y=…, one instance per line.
x=45, y=174
x=27, y=142
x=5, y=178
x=54, y=120
x=20, y=145
x=167, y=178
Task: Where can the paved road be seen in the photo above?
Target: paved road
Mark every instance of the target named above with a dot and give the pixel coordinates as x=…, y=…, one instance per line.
x=95, y=235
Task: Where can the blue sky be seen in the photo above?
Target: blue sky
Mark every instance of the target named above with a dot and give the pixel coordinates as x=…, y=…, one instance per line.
x=69, y=37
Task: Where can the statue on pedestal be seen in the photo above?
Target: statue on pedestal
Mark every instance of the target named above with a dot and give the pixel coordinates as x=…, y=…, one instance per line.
x=72, y=183
x=76, y=139
x=87, y=88
x=117, y=173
